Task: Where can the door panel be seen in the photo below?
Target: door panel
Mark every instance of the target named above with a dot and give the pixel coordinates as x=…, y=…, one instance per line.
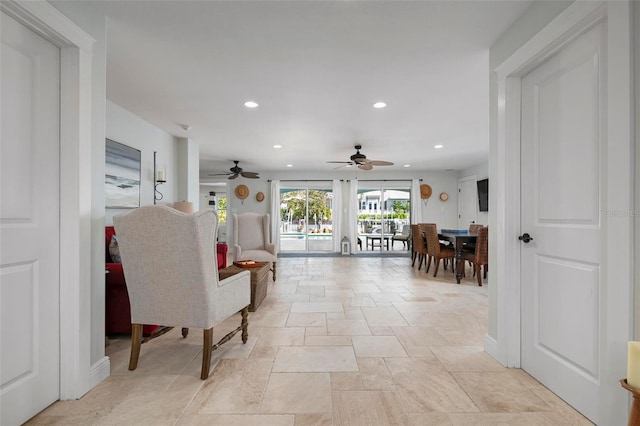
x=29, y=223
x=467, y=202
x=561, y=181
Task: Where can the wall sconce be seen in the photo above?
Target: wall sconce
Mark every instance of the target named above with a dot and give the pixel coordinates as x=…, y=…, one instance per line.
x=158, y=178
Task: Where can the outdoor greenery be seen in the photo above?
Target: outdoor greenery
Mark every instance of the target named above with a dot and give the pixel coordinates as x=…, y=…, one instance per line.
x=400, y=206
x=371, y=216
x=296, y=205
x=222, y=209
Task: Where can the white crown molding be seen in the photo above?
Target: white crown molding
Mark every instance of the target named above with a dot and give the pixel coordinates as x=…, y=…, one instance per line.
x=48, y=22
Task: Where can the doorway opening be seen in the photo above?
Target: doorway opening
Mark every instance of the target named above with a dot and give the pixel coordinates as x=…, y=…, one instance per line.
x=306, y=222
x=383, y=217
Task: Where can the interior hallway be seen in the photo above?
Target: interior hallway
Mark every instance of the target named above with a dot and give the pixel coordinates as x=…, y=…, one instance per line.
x=338, y=340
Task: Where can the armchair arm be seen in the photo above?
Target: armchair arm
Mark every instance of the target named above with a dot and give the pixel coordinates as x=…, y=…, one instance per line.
x=236, y=279
x=237, y=252
x=271, y=248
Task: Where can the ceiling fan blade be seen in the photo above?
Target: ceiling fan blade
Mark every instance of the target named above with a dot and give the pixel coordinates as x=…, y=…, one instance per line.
x=233, y=176
x=340, y=162
x=342, y=167
x=219, y=174
x=365, y=166
x=380, y=163
x=250, y=175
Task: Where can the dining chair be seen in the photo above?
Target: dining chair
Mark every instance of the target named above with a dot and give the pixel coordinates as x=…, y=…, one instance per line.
x=480, y=257
x=474, y=227
x=169, y=262
x=419, y=249
x=436, y=250
x=471, y=246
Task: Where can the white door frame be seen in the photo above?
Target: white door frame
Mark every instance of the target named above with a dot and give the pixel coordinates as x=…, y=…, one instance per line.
x=77, y=373
x=617, y=192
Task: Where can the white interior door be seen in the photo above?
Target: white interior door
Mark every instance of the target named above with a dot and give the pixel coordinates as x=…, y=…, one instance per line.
x=562, y=173
x=29, y=223
x=467, y=202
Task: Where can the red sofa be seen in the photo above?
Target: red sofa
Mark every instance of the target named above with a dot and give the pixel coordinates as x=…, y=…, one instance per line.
x=117, y=308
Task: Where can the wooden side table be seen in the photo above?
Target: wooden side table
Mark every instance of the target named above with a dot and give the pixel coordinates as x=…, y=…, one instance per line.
x=259, y=281
x=634, y=414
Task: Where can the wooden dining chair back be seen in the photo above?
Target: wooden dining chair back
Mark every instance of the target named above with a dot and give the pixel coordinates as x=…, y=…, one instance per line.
x=474, y=227
x=435, y=249
x=419, y=250
x=480, y=257
x=471, y=246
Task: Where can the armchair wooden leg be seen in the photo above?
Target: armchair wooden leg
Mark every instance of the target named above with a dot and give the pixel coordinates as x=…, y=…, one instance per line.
x=136, y=342
x=207, y=346
x=206, y=353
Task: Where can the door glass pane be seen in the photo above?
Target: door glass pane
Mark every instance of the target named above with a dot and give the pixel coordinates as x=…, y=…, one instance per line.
x=306, y=220
x=293, y=220
x=320, y=232
x=382, y=213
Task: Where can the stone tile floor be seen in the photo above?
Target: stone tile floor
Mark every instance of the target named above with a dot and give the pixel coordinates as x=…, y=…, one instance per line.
x=337, y=341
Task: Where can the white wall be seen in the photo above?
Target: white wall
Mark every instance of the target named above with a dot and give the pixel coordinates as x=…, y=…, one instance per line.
x=188, y=171
x=129, y=129
x=481, y=171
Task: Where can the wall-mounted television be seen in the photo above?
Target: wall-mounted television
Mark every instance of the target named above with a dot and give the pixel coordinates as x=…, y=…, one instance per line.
x=483, y=195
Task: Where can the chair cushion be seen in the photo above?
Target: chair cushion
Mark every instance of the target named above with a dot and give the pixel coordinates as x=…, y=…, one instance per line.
x=258, y=255
x=252, y=237
x=114, y=250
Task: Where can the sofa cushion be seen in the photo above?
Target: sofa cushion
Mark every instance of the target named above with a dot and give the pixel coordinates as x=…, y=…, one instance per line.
x=114, y=250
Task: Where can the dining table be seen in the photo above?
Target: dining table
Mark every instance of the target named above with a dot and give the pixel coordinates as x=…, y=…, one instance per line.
x=459, y=238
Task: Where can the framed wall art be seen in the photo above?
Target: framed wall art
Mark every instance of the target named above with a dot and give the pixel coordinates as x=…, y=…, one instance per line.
x=122, y=176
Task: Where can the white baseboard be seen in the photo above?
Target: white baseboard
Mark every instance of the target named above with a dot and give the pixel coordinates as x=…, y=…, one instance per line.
x=99, y=371
x=491, y=347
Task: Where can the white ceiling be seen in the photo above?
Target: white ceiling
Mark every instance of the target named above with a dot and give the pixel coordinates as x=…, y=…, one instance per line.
x=315, y=68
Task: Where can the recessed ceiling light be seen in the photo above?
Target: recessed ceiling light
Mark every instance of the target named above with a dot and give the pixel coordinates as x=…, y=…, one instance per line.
x=379, y=105
x=251, y=104
x=277, y=146
x=289, y=165
x=407, y=165
x=439, y=146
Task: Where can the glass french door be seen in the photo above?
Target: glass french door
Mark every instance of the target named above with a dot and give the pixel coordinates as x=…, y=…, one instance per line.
x=306, y=220
x=382, y=213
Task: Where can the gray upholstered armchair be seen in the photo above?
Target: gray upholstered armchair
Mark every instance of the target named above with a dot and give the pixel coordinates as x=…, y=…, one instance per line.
x=252, y=239
x=169, y=261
